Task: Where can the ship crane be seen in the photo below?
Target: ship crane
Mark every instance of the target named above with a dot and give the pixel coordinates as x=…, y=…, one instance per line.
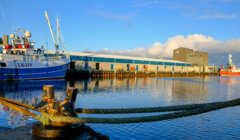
x=51, y=30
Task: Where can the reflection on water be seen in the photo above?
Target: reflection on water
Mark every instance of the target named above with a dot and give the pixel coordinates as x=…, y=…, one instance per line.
x=30, y=85
x=188, y=91
x=140, y=92
x=12, y=117
x=16, y=118
x=28, y=92
x=143, y=92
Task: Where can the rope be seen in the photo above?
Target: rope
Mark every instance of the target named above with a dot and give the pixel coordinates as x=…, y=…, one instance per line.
x=196, y=111
x=18, y=103
x=186, y=110
x=17, y=108
x=145, y=110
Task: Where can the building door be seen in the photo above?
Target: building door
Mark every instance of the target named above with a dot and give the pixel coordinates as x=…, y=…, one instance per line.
x=86, y=65
x=112, y=66
x=97, y=66
x=128, y=67
x=72, y=65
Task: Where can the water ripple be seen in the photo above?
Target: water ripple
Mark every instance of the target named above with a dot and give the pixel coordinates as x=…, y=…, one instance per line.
x=148, y=92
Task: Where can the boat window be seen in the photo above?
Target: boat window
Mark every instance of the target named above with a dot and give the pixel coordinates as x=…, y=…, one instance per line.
x=1, y=50
x=3, y=65
x=39, y=51
x=34, y=51
x=17, y=52
x=23, y=52
x=9, y=52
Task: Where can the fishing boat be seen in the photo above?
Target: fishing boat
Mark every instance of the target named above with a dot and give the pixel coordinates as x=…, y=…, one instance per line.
x=19, y=60
x=231, y=69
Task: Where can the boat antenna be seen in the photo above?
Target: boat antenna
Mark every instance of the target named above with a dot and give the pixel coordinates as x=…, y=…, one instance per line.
x=51, y=30
x=57, y=22
x=59, y=35
x=230, y=59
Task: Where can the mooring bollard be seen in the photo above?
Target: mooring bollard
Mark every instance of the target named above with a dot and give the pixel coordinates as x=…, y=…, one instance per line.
x=71, y=93
x=68, y=104
x=48, y=91
x=52, y=106
x=47, y=98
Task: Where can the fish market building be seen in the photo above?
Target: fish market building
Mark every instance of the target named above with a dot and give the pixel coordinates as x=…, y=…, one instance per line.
x=107, y=62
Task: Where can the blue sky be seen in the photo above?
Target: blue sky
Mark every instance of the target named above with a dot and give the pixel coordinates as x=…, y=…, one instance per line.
x=142, y=27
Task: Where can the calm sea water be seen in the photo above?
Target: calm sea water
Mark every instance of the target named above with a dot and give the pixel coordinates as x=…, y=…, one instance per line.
x=141, y=92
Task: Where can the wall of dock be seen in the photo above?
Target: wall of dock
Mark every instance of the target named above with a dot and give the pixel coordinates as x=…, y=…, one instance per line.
x=104, y=66
x=75, y=74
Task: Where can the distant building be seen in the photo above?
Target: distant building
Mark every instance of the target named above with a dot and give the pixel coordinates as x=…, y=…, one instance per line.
x=107, y=62
x=180, y=54
x=92, y=61
x=196, y=58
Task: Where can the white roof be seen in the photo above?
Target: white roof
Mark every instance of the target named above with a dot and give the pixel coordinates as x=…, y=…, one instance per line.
x=90, y=54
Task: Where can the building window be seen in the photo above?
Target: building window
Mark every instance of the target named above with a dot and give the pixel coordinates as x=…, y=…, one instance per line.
x=145, y=67
x=112, y=65
x=97, y=66
x=136, y=67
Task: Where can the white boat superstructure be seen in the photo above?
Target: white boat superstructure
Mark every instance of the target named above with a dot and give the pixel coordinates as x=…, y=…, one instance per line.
x=20, y=60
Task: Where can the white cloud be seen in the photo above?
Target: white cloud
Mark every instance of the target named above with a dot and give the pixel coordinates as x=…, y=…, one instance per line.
x=194, y=41
x=144, y=3
x=218, y=16
x=199, y=9
x=2, y=12
x=126, y=18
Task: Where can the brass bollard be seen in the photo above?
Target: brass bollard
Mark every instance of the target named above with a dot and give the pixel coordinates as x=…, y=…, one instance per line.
x=48, y=91
x=58, y=129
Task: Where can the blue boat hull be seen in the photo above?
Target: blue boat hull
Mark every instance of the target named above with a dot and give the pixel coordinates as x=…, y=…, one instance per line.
x=33, y=73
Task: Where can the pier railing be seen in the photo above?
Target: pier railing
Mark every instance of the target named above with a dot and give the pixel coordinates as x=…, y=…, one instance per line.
x=30, y=58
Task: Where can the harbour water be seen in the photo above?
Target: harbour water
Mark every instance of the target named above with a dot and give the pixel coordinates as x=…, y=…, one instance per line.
x=141, y=92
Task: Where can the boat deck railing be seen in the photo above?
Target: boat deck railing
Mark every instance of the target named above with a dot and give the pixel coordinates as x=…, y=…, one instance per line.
x=31, y=58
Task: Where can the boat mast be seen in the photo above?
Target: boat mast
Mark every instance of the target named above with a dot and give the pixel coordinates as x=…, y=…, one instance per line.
x=57, y=24
x=60, y=40
x=51, y=30
x=230, y=59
